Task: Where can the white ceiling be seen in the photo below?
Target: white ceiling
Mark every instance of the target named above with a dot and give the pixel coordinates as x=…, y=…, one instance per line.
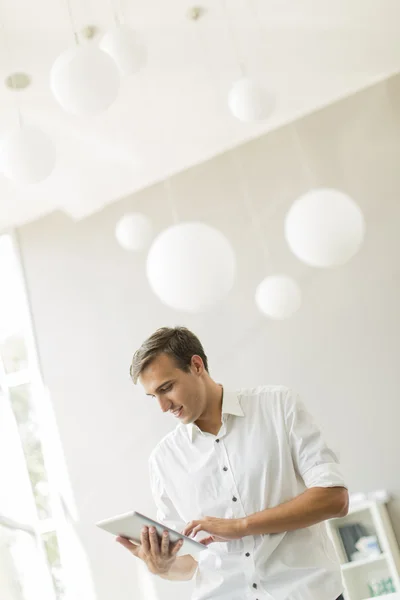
x=173, y=114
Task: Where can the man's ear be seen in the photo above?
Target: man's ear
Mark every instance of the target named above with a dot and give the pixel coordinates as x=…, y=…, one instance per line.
x=197, y=364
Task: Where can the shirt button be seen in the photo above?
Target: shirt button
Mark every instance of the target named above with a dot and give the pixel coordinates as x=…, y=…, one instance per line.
x=234, y=499
x=225, y=469
x=247, y=553
x=217, y=440
x=255, y=586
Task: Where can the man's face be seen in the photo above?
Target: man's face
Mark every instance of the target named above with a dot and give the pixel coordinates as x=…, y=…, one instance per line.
x=181, y=393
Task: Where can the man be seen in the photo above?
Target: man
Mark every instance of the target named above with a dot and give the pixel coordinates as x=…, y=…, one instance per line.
x=252, y=468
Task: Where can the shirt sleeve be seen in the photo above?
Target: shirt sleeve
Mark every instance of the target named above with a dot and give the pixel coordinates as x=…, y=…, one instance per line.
x=166, y=512
x=315, y=462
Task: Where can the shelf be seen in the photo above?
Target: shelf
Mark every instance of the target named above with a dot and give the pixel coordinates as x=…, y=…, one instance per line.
x=390, y=596
x=367, y=505
x=373, y=516
x=365, y=561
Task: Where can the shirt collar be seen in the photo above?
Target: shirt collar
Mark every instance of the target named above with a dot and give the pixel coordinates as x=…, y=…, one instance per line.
x=230, y=405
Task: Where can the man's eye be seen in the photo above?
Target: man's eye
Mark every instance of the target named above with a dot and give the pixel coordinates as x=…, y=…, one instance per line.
x=167, y=389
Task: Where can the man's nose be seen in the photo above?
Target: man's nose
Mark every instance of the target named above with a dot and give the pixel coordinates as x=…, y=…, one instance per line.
x=165, y=404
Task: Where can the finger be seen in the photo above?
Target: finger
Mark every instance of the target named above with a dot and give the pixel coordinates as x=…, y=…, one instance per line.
x=144, y=537
x=134, y=548
x=207, y=541
x=196, y=530
x=125, y=542
x=165, y=544
x=189, y=527
x=154, y=544
x=176, y=547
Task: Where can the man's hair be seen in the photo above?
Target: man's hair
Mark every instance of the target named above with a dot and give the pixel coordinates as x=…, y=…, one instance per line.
x=178, y=342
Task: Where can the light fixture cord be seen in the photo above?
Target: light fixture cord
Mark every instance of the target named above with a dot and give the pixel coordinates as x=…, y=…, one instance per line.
x=171, y=200
x=116, y=12
x=234, y=41
x=238, y=167
x=72, y=22
x=13, y=84
x=19, y=115
x=204, y=54
x=253, y=9
x=305, y=163
x=236, y=160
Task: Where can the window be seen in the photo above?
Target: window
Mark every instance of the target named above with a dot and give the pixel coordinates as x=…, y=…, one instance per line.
x=37, y=541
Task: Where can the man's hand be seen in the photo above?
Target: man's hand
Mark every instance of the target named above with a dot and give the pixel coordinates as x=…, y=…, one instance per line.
x=159, y=557
x=219, y=530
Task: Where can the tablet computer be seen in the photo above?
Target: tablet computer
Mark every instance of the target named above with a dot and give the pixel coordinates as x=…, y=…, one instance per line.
x=129, y=525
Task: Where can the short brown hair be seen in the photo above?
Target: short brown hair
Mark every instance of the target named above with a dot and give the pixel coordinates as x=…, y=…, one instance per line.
x=178, y=342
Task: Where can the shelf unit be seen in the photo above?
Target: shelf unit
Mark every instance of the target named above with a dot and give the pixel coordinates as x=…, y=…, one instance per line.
x=373, y=516
x=365, y=561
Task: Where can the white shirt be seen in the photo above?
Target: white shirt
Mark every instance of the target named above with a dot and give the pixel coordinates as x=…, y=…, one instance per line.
x=267, y=451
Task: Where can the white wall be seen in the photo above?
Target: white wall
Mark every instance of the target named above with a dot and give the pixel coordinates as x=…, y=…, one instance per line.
x=92, y=308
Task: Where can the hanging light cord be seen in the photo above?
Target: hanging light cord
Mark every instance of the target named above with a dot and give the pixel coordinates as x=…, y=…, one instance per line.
x=310, y=175
x=236, y=162
x=234, y=41
x=72, y=22
x=170, y=196
x=116, y=12
x=13, y=84
x=255, y=220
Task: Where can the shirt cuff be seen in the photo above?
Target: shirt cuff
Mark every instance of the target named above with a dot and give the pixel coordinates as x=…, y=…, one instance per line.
x=324, y=475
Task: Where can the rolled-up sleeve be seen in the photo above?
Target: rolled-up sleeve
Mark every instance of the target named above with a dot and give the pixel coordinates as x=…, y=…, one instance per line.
x=314, y=461
x=166, y=512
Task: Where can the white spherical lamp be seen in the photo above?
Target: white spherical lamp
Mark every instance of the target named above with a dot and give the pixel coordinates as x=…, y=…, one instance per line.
x=191, y=267
x=27, y=155
x=324, y=228
x=84, y=80
x=249, y=101
x=278, y=297
x=126, y=48
x=134, y=232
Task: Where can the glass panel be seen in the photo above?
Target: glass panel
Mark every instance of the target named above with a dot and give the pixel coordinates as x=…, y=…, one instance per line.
x=13, y=353
x=16, y=498
x=14, y=315
x=76, y=569
x=53, y=557
x=30, y=567
x=22, y=406
x=23, y=572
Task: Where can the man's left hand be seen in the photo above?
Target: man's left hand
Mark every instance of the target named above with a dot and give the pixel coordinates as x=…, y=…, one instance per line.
x=219, y=530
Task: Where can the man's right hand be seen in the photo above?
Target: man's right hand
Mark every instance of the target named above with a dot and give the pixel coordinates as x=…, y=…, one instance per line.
x=159, y=556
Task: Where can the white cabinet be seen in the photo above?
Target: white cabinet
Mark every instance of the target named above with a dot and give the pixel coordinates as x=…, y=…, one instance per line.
x=371, y=518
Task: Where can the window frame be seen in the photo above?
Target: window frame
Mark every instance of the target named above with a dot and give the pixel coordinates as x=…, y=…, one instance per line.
x=62, y=508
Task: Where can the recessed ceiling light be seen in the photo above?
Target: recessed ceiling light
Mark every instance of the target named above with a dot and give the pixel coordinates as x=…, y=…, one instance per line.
x=195, y=12
x=89, y=32
x=18, y=81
